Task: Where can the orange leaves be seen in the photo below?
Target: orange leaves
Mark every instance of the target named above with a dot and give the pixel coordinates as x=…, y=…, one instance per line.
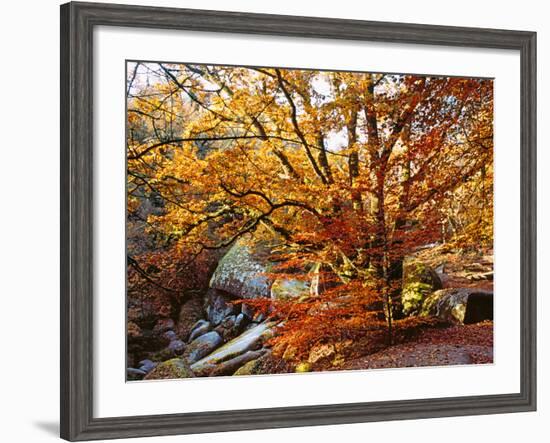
x=345, y=312
x=351, y=170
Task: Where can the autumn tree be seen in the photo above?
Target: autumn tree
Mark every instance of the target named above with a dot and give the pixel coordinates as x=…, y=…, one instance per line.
x=352, y=170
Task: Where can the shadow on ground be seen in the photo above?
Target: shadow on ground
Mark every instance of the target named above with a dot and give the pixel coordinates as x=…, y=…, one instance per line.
x=49, y=427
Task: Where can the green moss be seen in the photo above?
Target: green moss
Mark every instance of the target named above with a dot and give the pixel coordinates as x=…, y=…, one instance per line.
x=417, y=271
x=250, y=368
x=174, y=368
x=429, y=303
x=303, y=367
x=413, y=296
x=419, y=281
x=447, y=304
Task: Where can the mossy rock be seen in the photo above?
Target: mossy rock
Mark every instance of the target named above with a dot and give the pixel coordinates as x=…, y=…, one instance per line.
x=419, y=281
x=242, y=272
x=459, y=305
x=263, y=365
x=413, y=296
x=253, y=367
x=414, y=271
x=429, y=306
x=303, y=367
x=449, y=305
x=170, y=369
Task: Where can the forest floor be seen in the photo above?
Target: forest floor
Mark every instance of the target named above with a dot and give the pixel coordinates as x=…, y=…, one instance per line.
x=452, y=345
x=442, y=345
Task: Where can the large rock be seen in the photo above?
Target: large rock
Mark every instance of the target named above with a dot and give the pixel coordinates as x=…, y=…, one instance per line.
x=459, y=305
x=247, y=341
x=174, y=368
x=242, y=270
x=202, y=346
x=419, y=281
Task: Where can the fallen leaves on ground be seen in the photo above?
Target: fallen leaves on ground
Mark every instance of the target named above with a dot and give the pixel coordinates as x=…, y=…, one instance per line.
x=453, y=345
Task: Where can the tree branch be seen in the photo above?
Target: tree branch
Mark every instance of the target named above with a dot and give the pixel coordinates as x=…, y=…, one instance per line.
x=299, y=133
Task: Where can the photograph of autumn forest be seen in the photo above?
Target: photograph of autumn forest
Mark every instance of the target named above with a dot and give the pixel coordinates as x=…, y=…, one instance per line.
x=293, y=221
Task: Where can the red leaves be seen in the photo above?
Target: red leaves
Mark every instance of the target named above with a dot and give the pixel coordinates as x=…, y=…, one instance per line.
x=350, y=172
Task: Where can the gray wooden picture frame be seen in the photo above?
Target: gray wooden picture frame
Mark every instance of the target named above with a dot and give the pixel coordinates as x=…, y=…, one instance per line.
x=77, y=24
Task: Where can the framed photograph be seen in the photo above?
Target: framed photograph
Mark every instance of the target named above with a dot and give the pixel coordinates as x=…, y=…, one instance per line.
x=273, y=221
